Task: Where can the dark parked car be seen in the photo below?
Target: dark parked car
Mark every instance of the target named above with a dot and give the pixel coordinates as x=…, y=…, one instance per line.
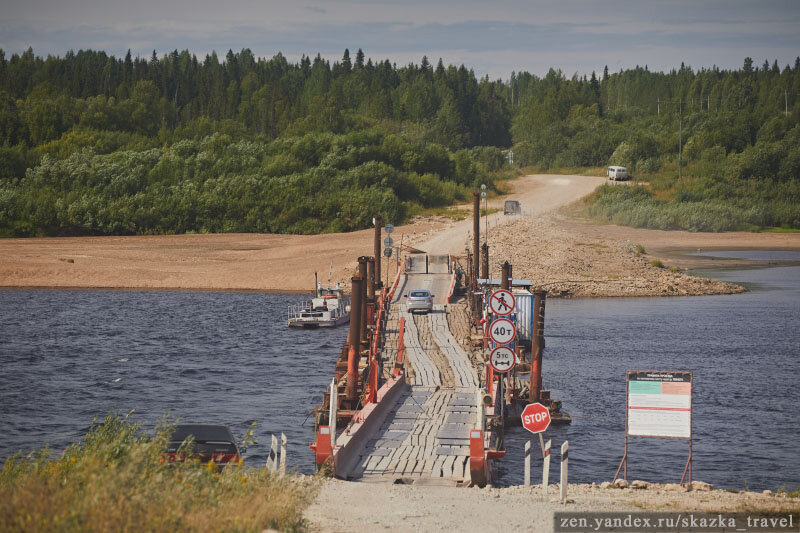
x=211, y=443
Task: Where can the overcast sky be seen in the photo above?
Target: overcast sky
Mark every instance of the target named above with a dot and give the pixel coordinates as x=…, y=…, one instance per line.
x=492, y=37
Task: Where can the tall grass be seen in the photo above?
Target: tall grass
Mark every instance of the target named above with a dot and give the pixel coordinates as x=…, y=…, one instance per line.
x=636, y=206
x=114, y=480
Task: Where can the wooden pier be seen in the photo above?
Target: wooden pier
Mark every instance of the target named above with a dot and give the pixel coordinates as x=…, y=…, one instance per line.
x=427, y=435
x=409, y=403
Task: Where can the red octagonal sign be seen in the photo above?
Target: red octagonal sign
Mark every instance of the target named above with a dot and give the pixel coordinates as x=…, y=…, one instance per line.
x=535, y=417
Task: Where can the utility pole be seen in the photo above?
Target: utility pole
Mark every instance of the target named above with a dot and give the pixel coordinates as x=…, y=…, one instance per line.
x=786, y=101
x=659, y=106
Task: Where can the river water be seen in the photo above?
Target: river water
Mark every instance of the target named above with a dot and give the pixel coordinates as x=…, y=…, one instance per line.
x=221, y=357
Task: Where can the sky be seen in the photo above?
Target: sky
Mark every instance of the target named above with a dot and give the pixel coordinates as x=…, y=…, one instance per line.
x=492, y=37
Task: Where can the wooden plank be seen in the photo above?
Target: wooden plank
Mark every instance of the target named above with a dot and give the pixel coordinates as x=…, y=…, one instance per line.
x=459, y=418
x=447, y=467
x=379, y=452
x=454, y=442
x=436, y=469
x=452, y=450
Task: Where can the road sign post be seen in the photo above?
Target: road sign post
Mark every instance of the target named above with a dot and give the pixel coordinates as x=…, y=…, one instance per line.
x=535, y=417
x=502, y=331
x=502, y=302
x=502, y=359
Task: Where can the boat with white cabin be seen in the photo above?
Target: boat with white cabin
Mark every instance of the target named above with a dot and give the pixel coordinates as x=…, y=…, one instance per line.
x=329, y=307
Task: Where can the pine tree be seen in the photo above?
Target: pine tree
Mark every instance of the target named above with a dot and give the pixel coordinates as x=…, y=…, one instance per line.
x=346, y=65
x=360, y=59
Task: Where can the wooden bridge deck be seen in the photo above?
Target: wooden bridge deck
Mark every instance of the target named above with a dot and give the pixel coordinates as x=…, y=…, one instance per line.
x=427, y=433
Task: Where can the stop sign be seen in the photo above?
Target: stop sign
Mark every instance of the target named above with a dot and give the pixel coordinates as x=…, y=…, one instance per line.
x=535, y=417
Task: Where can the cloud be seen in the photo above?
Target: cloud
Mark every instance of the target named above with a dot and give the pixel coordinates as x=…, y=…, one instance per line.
x=493, y=38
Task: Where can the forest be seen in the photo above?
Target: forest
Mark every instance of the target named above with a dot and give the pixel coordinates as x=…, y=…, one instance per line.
x=92, y=144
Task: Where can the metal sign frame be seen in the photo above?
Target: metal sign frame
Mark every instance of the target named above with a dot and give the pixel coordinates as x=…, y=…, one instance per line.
x=513, y=359
x=496, y=296
x=513, y=331
x=624, y=462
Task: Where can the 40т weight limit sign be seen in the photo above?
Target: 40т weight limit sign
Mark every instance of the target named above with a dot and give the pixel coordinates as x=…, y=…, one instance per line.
x=502, y=331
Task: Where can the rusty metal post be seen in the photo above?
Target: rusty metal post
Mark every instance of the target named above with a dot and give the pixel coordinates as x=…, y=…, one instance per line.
x=353, y=351
x=485, y=261
x=537, y=345
x=372, y=303
x=376, y=251
x=505, y=276
x=362, y=272
x=476, y=237
x=371, y=279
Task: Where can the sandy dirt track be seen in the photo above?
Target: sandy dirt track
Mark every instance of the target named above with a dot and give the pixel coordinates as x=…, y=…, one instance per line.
x=537, y=194
x=355, y=507
x=288, y=262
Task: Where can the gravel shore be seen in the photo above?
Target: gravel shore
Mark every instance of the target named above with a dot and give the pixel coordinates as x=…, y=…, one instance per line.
x=565, y=262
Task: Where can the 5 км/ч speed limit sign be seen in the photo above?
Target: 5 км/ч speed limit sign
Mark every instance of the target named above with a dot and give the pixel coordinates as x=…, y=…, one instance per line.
x=502, y=331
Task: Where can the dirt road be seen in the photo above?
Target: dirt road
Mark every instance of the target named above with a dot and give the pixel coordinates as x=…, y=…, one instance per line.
x=536, y=193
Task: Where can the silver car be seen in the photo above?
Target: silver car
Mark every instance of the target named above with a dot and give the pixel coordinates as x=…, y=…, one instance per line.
x=420, y=300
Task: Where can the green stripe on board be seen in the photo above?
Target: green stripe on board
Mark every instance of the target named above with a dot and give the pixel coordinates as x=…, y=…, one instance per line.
x=644, y=387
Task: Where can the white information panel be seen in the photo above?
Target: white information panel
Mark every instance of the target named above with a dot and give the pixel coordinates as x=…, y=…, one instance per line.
x=659, y=404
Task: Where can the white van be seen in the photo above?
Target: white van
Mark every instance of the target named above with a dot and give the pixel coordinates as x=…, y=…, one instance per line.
x=617, y=173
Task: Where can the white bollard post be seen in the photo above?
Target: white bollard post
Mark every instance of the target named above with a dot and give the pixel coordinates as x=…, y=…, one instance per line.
x=333, y=405
x=546, y=468
x=282, y=467
x=272, y=462
x=527, y=463
x=564, y=461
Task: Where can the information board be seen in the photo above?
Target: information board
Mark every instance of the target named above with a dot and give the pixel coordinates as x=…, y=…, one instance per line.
x=659, y=404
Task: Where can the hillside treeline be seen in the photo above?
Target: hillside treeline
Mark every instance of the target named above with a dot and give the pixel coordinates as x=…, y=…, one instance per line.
x=95, y=144
x=736, y=133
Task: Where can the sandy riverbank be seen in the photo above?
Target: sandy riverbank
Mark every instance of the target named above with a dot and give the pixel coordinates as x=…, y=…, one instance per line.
x=564, y=255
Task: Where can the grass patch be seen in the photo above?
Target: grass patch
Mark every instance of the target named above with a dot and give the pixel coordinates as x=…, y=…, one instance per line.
x=451, y=213
x=657, y=263
x=113, y=480
x=639, y=250
x=780, y=230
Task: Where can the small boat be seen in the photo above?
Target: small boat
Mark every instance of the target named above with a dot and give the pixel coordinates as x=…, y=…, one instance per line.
x=328, y=308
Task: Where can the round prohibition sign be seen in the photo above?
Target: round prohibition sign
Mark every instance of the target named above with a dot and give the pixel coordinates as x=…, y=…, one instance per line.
x=503, y=359
x=502, y=331
x=502, y=302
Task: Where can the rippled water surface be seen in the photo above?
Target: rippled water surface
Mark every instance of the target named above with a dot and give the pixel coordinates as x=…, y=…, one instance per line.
x=69, y=356
x=214, y=357
x=744, y=350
